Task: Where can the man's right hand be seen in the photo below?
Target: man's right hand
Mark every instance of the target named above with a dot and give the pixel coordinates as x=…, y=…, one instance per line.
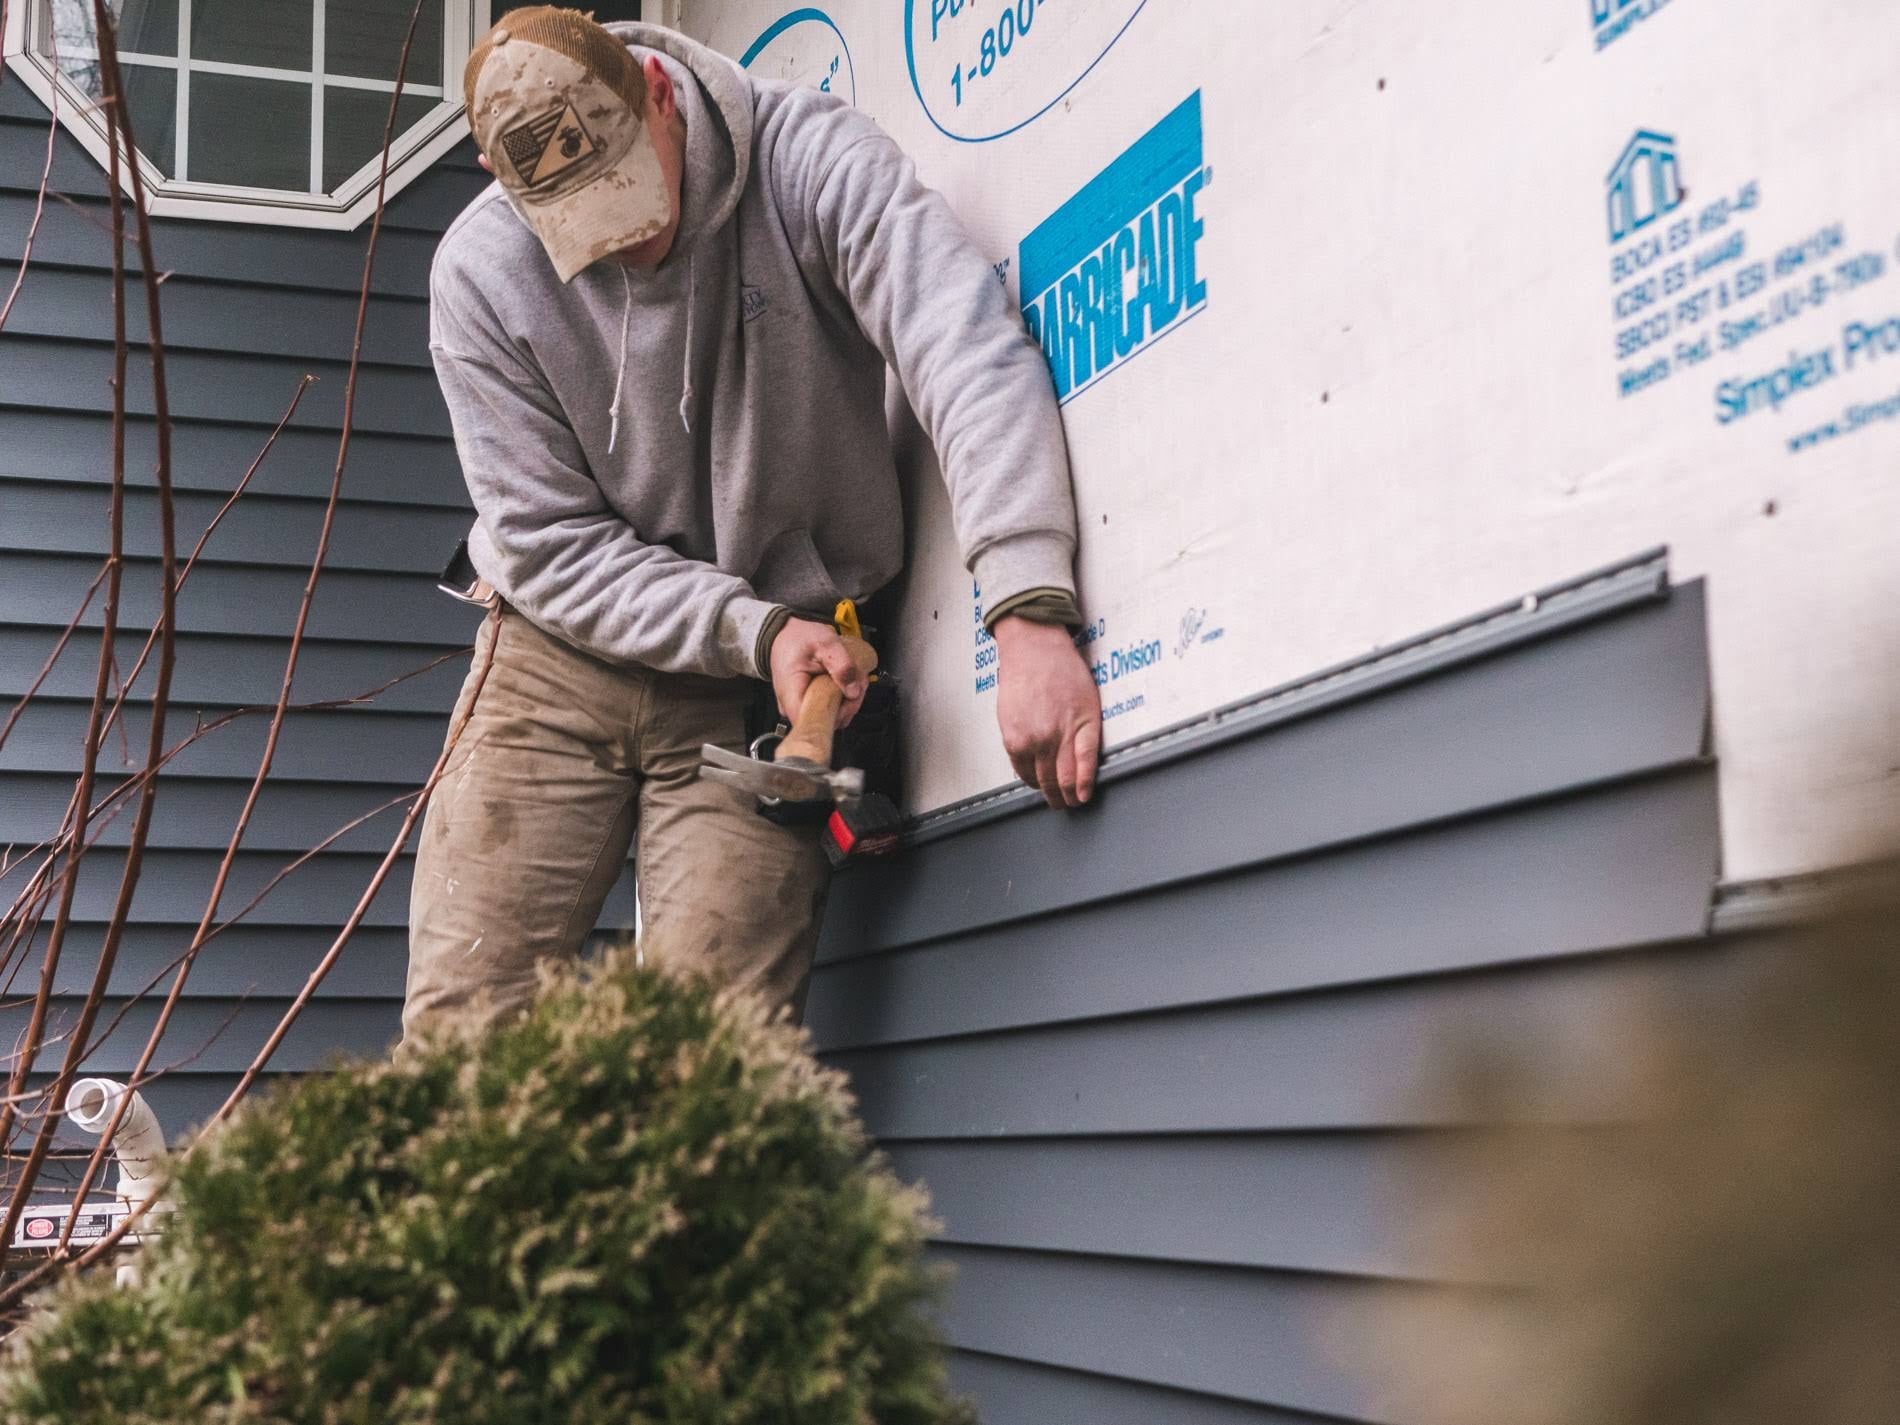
x=803, y=650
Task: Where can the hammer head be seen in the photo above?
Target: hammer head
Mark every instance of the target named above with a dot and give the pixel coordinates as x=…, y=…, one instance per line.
x=792, y=779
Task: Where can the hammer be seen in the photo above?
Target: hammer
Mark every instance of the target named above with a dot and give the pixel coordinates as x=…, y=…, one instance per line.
x=800, y=774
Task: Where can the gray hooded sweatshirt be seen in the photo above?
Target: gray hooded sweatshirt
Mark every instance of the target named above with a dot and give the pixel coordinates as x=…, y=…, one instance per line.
x=662, y=459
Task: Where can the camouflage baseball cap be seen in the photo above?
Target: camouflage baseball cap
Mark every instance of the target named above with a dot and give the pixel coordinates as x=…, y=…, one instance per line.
x=556, y=104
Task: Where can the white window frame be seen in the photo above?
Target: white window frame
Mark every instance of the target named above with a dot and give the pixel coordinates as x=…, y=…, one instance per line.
x=347, y=206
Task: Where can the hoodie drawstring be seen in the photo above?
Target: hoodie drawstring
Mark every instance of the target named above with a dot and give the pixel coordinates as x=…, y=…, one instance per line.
x=620, y=368
x=686, y=367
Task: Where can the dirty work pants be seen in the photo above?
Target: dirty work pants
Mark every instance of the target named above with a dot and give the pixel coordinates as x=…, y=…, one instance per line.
x=566, y=763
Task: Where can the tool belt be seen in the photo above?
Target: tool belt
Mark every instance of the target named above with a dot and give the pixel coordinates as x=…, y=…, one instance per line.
x=870, y=743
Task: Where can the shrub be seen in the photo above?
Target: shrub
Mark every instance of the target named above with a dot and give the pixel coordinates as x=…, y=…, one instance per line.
x=640, y=1203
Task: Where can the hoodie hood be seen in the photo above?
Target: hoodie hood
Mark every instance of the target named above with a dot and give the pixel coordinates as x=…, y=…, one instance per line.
x=717, y=105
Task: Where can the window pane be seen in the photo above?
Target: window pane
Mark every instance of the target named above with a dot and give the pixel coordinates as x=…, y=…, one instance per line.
x=152, y=96
x=145, y=26
x=273, y=33
x=353, y=121
x=250, y=131
x=363, y=38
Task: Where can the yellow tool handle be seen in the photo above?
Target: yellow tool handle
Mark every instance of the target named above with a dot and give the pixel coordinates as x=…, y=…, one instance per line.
x=817, y=720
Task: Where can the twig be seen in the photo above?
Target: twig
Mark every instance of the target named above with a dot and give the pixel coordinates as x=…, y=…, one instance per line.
x=255, y=901
x=119, y=239
x=39, y=202
x=303, y=384
x=62, y=918
x=120, y=132
x=106, y=811
x=112, y=717
x=329, y=959
x=46, y=668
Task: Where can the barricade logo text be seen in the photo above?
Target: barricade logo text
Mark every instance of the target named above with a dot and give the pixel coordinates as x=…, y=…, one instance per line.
x=1118, y=265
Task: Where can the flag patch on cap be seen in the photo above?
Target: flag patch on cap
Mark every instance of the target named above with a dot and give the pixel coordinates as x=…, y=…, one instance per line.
x=544, y=148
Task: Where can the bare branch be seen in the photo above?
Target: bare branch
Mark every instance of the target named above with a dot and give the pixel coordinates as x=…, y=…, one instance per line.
x=39, y=889
x=115, y=569
x=39, y=201
x=283, y=873
x=275, y=730
x=328, y=962
x=46, y=668
x=120, y=133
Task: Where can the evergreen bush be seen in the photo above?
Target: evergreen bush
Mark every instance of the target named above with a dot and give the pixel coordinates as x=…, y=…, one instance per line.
x=642, y=1203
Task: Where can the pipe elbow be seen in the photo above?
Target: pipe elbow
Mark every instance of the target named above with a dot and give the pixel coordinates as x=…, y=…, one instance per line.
x=139, y=1142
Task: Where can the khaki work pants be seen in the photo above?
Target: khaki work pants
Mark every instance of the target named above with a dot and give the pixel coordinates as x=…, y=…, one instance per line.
x=565, y=764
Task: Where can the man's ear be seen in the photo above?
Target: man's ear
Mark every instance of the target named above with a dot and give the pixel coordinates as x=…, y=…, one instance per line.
x=659, y=87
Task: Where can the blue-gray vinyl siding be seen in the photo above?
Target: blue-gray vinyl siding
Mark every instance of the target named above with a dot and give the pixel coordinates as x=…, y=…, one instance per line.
x=248, y=311
x=1162, y=1064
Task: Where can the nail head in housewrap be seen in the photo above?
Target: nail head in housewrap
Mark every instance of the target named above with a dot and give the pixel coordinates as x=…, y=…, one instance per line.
x=556, y=105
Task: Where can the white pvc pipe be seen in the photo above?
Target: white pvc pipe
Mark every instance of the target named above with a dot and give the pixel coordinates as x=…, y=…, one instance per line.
x=90, y=1104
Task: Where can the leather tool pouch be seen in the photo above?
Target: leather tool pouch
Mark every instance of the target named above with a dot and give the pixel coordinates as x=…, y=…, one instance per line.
x=871, y=743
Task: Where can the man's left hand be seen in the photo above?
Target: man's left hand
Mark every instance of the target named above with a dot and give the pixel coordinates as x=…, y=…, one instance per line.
x=1049, y=710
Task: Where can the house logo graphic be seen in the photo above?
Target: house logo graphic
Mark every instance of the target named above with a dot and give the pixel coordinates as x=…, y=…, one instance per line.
x=1645, y=184
x=1612, y=19
x=1117, y=267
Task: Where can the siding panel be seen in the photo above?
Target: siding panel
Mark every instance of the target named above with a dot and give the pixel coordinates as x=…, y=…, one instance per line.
x=1018, y=1393
x=220, y=1036
x=1357, y=771
x=1250, y=1336
x=260, y=961
x=1332, y=1060
x=174, y=884
x=357, y=745
x=213, y=455
x=44, y=518
x=1577, y=869
x=1318, y=1203
x=51, y=373
x=232, y=599
x=223, y=316
x=199, y=814
x=73, y=235
x=222, y=671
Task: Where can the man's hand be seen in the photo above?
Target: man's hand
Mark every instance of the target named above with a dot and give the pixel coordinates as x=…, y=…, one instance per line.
x=1048, y=708
x=803, y=650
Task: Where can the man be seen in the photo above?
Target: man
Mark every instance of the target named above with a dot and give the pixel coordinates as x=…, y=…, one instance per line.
x=662, y=335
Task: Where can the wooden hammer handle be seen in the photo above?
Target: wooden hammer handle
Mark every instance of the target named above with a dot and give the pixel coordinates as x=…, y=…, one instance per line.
x=817, y=720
